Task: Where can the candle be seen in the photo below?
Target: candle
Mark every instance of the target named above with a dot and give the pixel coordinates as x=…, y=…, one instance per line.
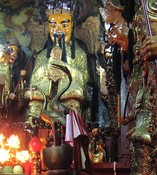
x=114, y=167
x=27, y=168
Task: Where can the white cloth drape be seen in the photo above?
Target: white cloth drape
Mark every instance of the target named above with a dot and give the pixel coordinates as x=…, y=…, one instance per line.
x=74, y=127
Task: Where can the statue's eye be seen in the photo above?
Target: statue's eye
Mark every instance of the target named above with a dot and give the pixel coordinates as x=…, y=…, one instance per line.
x=53, y=25
x=65, y=25
x=11, y=50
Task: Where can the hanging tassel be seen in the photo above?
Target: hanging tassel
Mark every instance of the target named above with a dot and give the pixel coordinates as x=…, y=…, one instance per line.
x=131, y=42
x=54, y=43
x=49, y=46
x=117, y=66
x=129, y=10
x=64, y=56
x=73, y=46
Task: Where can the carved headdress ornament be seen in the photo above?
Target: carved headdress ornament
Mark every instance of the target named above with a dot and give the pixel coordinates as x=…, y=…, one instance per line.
x=110, y=7
x=4, y=49
x=80, y=9
x=60, y=6
x=113, y=3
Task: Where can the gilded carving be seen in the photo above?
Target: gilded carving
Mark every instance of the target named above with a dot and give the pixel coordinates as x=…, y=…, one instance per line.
x=88, y=32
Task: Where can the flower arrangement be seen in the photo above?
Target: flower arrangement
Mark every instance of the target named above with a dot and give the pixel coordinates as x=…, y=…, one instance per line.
x=12, y=155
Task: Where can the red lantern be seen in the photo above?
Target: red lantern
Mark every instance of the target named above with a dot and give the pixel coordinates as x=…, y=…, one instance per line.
x=35, y=144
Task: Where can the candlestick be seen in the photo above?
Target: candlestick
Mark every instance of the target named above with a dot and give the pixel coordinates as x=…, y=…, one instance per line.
x=114, y=167
x=27, y=168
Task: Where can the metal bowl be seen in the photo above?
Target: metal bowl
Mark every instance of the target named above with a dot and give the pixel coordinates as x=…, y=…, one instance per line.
x=57, y=157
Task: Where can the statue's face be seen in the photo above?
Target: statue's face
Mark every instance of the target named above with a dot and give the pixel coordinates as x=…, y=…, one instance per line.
x=13, y=52
x=118, y=33
x=116, y=27
x=9, y=56
x=60, y=25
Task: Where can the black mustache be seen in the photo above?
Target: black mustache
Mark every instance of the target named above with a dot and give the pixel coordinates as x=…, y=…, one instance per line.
x=59, y=34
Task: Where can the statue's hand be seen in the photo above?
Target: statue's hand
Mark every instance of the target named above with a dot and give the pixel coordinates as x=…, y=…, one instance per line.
x=149, y=48
x=12, y=96
x=23, y=73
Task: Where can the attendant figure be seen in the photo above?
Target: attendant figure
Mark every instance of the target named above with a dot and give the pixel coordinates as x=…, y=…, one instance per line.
x=142, y=93
x=13, y=62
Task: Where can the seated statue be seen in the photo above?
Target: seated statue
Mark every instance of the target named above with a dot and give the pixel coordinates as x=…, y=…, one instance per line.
x=63, y=51
x=59, y=79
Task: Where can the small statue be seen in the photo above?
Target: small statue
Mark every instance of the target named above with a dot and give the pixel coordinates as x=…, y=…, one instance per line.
x=97, y=153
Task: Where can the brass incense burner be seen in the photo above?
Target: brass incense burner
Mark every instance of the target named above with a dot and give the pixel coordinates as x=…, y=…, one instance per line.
x=57, y=157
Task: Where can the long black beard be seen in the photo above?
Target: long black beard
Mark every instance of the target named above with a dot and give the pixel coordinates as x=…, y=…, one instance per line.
x=117, y=66
x=49, y=45
x=131, y=43
x=129, y=10
x=61, y=41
